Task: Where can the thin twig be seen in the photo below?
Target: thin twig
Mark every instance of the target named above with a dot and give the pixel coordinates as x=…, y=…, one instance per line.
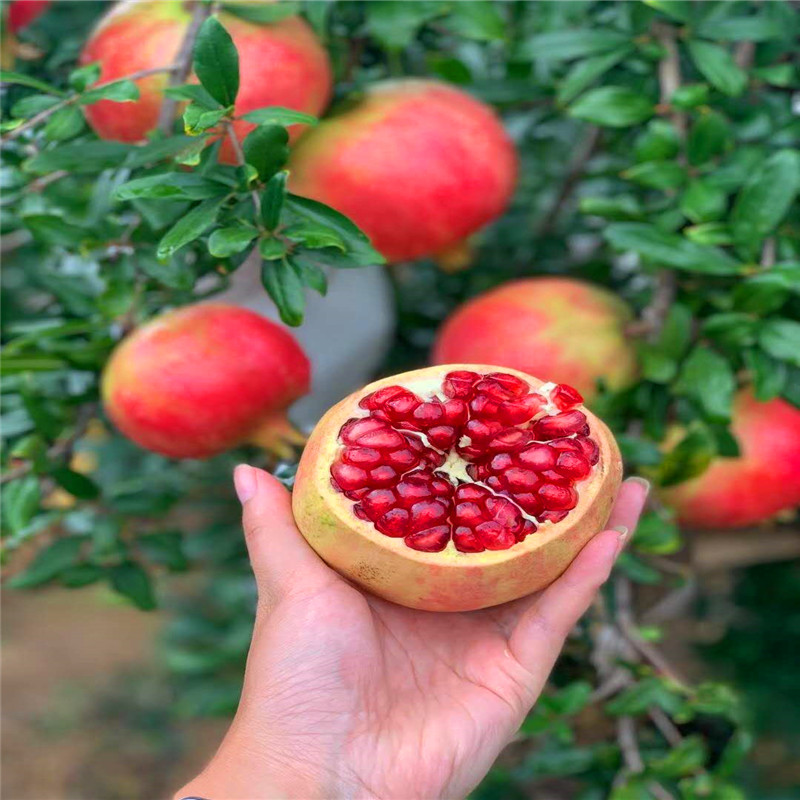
x=574, y=173
x=61, y=448
x=665, y=725
x=768, y=252
x=669, y=73
x=48, y=112
x=182, y=65
x=629, y=747
x=743, y=54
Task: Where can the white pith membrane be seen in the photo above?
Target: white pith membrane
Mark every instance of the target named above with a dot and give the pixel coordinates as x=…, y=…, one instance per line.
x=475, y=461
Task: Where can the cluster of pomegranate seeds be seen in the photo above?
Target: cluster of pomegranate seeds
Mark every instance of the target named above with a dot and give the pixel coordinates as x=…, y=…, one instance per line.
x=521, y=453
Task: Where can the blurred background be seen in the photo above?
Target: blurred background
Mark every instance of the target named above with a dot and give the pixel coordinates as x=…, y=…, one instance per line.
x=658, y=158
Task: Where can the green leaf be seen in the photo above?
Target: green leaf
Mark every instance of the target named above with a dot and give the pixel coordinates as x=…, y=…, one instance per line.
x=715, y=233
x=315, y=237
x=783, y=75
x=680, y=10
x=584, y=73
x=76, y=484
x=688, y=459
x=662, y=175
x=48, y=563
x=272, y=200
x=123, y=91
x=54, y=230
x=395, y=22
x=64, y=124
x=33, y=104
x=271, y=248
x=765, y=198
x=685, y=758
x=216, y=62
x=781, y=339
x=79, y=158
x=194, y=93
x=691, y=95
x=708, y=378
x=225, y=242
x=131, y=581
x=657, y=535
x=80, y=575
x=659, y=141
x=620, y=207
x=20, y=502
x=717, y=66
x=566, y=45
x=153, y=152
x=189, y=227
x=708, y=138
x=8, y=76
x=740, y=29
x=284, y=286
x=262, y=13
x=768, y=374
x=614, y=106
x=197, y=119
x=702, y=202
x=670, y=249
x=767, y=291
x=644, y=695
x=170, y=185
x=83, y=77
x=360, y=252
x=277, y=115
x=479, y=20
x=310, y=272
x=266, y=149
x=165, y=548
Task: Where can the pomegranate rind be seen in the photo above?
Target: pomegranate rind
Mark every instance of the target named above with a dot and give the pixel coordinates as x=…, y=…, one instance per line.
x=448, y=580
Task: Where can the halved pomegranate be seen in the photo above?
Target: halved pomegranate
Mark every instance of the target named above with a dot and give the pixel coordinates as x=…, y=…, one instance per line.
x=456, y=487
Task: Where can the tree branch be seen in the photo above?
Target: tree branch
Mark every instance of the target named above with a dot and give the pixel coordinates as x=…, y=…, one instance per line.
x=182, y=65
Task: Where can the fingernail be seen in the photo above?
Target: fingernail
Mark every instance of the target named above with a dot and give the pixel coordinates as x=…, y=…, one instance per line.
x=244, y=481
x=623, y=537
x=643, y=482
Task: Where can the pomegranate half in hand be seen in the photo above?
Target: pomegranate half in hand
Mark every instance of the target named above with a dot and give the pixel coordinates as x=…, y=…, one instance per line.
x=456, y=487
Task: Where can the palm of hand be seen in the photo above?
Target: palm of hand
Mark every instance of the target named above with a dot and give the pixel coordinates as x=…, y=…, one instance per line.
x=347, y=695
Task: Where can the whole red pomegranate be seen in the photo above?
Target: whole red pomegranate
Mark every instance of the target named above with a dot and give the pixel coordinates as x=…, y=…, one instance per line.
x=456, y=488
x=280, y=64
x=564, y=328
x=763, y=481
x=202, y=379
x=22, y=13
x=418, y=165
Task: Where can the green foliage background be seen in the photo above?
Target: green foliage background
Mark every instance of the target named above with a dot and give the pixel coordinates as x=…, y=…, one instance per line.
x=659, y=157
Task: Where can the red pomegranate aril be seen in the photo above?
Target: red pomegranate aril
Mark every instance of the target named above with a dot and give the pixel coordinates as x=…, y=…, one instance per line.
x=469, y=513
x=480, y=430
x=348, y=477
x=470, y=493
x=432, y=540
x=441, y=487
x=504, y=512
x=515, y=412
x=536, y=456
x=470, y=452
x=483, y=406
x=526, y=529
x=361, y=457
x=494, y=536
x=510, y=383
x=565, y=397
x=385, y=439
x=456, y=412
x=378, y=502
x=501, y=462
x=394, y=523
x=493, y=389
x=466, y=540
x=584, y=431
x=521, y=480
x=442, y=437
x=528, y=502
x=358, y=510
x=495, y=483
x=402, y=406
x=552, y=516
x=551, y=476
x=559, y=425
x=569, y=445
x=403, y=459
x=383, y=476
x=459, y=384
x=355, y=428
x=557, y=498
x=427, y=513
x=377, y=399
x=410, y=491
x=589, y=448
x=573, y=465
x=428, y=414
x=507, y=440
x=353, y=494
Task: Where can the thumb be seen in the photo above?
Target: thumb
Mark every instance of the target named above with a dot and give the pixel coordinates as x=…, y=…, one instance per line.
x=282, y=560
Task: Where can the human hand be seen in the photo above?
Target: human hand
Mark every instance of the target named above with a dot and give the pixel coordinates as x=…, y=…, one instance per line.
x=348, y=695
